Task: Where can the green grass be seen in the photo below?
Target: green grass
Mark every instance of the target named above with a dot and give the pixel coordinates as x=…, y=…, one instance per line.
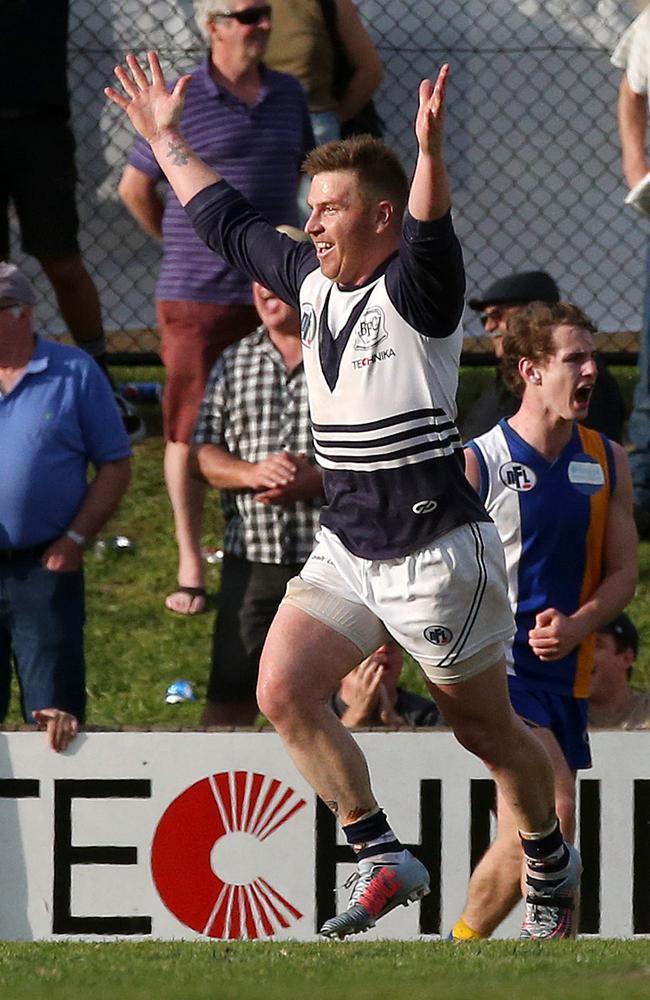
x=580, y=970
x=135, y=648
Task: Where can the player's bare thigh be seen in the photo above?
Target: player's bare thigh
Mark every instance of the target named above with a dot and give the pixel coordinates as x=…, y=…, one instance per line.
x=303, y=659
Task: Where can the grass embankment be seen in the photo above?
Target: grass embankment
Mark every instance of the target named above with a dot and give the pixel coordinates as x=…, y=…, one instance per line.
x=135, y=648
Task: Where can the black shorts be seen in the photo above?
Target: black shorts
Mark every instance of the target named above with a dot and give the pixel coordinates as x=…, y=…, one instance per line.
x=37, y=174
x=249, y=597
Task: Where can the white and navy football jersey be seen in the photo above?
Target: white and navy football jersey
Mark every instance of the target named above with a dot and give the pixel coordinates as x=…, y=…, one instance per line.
x=381, y=362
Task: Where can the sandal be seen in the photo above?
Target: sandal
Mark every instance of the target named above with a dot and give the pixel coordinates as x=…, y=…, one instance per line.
x=198, y=596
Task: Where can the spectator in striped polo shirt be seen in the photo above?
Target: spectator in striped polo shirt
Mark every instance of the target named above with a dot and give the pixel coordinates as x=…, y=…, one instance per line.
x=253, y=442
x=251, y=124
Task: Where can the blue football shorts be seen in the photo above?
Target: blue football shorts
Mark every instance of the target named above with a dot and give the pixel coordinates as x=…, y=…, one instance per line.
x=564, y=715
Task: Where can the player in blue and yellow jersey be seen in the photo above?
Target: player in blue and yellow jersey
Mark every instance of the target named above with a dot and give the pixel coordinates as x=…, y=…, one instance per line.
x=560, y=495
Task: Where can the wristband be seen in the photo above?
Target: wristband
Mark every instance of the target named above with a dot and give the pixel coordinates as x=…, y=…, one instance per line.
x=75, y=537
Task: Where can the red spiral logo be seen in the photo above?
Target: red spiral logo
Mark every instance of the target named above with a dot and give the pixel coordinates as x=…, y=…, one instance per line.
x=222, y=820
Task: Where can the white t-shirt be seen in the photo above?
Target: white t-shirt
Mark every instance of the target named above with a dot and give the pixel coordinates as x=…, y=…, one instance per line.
x=632, y=53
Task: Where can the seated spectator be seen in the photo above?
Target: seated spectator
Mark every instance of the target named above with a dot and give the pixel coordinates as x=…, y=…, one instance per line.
x=370, y=695
x=613, y=704
x=58, y=415
x=309, y=39
x=253, y=443
x=504, y=298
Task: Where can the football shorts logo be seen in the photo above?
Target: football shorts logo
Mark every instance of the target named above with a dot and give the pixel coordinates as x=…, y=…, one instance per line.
x=209, y=850
x=370, y=330
x=307, y=325
x=438, y=635
x=518, y=477
x=424, y=506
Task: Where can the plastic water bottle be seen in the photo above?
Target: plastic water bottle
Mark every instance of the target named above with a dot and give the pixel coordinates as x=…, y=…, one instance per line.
x=179, y=691
x=142, y=392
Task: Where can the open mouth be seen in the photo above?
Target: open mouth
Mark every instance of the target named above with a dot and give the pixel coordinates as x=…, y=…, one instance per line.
x=583, y=394
x=322, y=249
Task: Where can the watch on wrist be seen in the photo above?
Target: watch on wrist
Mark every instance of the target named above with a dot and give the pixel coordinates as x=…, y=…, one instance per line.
x=75, y=537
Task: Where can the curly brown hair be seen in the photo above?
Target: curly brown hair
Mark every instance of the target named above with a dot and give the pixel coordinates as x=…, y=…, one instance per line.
x=378, y=168
x=529, y=334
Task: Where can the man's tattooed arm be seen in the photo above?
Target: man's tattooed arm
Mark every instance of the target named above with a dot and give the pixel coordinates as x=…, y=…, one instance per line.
x=179, y=153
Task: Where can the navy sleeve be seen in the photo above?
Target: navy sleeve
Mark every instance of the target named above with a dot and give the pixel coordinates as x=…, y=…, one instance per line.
x=230, y=226
x=426, y=282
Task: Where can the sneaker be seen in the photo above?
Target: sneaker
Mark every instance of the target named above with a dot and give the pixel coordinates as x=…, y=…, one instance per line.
x=377, y=888
x=553, y=912
x=133, y=422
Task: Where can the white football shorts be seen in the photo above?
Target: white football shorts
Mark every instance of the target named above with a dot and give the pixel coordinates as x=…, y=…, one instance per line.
x=447, y=605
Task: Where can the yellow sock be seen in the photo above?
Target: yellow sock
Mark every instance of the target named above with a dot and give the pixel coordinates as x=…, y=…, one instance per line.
x=463, y=932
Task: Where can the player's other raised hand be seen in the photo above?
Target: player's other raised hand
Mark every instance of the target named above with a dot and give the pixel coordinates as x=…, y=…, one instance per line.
x=153, y=110
x=430, y=119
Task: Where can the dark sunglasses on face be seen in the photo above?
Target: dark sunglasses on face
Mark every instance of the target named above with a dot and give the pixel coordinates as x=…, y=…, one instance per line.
x=251, y=15
x=496, y=313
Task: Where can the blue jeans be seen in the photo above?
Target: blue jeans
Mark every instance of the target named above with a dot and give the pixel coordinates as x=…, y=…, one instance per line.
x=639, y=427
x=42, y=618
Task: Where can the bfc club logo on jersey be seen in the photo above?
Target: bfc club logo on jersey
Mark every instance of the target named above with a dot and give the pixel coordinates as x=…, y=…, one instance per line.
x=439, y=635
x=518, y=477
x=371, y=330
x=307, y=325
x=209, y=849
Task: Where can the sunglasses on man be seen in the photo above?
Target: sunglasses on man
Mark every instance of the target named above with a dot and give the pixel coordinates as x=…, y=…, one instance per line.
x=494, y=314
x=250, y=15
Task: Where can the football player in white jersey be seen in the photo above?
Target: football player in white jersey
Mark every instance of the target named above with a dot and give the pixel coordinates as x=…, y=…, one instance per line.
x=406, y=547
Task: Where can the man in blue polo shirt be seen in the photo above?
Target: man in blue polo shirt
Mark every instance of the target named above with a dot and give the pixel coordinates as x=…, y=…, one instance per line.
x=57, y=414
x=253, y=125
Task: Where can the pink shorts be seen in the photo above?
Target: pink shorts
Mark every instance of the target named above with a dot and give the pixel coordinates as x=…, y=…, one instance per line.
x=192, y=336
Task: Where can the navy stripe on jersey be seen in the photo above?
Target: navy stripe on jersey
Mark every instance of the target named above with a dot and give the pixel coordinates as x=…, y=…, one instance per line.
x=385, y=422
x=475, y=603
x=332, y=348
x=435, y=449
x=412, y=432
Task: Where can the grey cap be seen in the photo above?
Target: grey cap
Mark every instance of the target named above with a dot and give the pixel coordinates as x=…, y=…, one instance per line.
x=527, y=286
x=14, y=285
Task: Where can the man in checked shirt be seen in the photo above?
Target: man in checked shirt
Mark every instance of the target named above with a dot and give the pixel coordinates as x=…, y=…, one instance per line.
x=253, y=443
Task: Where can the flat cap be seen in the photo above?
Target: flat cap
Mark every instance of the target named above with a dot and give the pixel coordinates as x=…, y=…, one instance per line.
x=527, y=286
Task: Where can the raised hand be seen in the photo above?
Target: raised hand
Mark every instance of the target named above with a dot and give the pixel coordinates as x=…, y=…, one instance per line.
x=151, y=108
x=430, y=118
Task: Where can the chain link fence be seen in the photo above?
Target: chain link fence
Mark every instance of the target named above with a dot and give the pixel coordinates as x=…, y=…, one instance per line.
x=532, y=145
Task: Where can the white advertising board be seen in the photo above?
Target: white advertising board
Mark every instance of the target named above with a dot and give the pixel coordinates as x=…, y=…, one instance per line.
x=216, y=836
